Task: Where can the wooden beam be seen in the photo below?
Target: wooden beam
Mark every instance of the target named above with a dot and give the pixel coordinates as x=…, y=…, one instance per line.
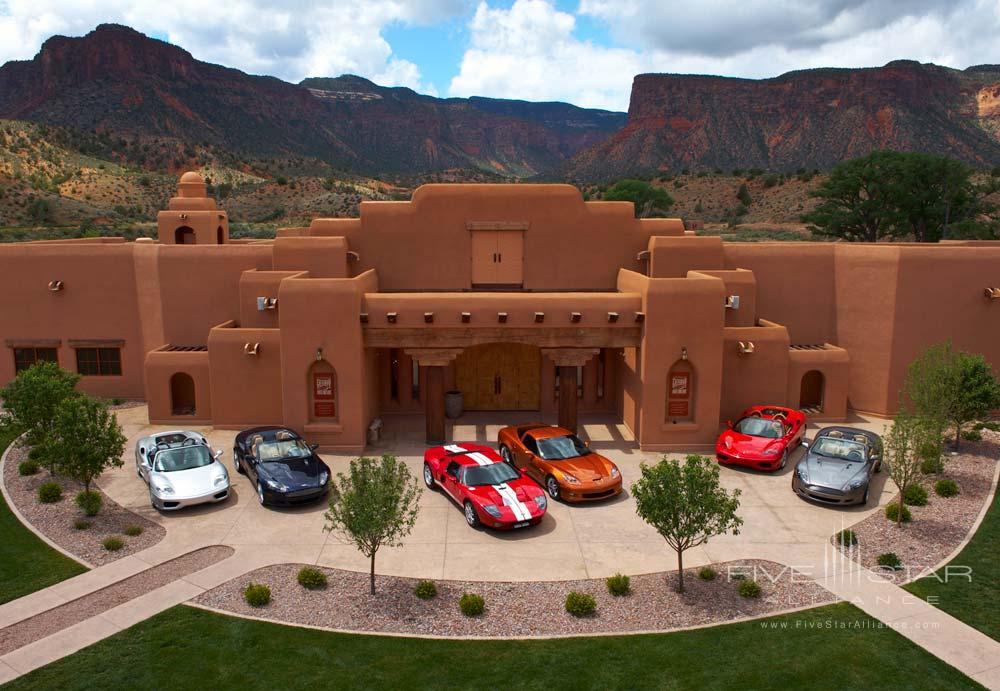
x=543, y=337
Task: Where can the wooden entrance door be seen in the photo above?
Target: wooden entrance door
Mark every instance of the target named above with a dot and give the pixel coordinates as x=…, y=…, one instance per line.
x=499, y=376
x=497, y=257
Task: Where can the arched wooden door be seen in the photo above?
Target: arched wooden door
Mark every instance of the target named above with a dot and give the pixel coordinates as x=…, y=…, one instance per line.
x=499, y=376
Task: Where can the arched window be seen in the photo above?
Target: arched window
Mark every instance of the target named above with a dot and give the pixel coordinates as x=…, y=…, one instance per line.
x=220, y=236
x=811, y=391
x=184, y=236
x=680, y=392
x=182, y=399
x=322, y=392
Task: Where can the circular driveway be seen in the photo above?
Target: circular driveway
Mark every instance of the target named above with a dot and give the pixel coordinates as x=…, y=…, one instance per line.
x=589, y=541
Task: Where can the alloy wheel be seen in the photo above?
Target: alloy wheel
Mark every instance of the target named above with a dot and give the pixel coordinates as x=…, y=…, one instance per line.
x=470, y=515
x=553, y=487
x=428, y=476
x=505, y=455
x=784, y=460
x=260, y=493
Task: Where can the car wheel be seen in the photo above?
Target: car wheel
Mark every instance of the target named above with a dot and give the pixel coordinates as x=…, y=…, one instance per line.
x=236, y=463
x=152, y=500
x=505, y=455
x=878, y=468
x=784, y=460
x=428, y=476
x=471, y=517
x=138, y=471
x=260, y=494
x=552, y=487
x=864, y=499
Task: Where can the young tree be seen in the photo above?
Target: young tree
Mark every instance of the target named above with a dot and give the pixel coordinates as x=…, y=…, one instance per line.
x=85, y=440
x=33, y=397
x=686, y=504
x=375, y=504
x=901, y=454
x=647, y=200
x=743, y=194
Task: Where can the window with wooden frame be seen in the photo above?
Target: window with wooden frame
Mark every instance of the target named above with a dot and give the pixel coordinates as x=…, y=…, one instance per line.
x=99, y=362
x=28, y=356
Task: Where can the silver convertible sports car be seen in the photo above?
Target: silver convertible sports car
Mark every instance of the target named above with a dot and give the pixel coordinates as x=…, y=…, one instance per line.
x=838, y=466
x=181, y=470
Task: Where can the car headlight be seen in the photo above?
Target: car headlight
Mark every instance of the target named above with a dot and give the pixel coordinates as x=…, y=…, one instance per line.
x=614, y=471
x=728, y=443
x=540, y=502
x=274, y=484
x=221, y=480
x=856, y=484
x=801, y=472
x=771, y=452
x=492, y=510
x=570, y=479
x=163, y=489
x=323, y=477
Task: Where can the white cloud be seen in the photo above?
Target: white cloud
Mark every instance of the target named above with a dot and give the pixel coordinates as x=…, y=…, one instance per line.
x=291, y=40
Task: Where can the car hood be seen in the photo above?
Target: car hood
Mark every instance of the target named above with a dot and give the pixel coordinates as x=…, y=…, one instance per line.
x=740, y=444
x=506, y=495
x=827, y=472
x=295, y=473
x=193, y=482
x=593, y=466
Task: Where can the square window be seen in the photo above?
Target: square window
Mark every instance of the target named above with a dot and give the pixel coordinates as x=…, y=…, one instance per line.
x=97, y=362
x=26, y=357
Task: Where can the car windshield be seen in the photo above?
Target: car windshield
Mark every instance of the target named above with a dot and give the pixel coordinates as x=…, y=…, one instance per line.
x=560, y=448
x=839, y=449
x=279, y=450
x=759, y=427
x=493, y=474
x=182, y=458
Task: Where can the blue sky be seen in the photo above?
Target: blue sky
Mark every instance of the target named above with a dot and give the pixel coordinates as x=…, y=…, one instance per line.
x=581, y=51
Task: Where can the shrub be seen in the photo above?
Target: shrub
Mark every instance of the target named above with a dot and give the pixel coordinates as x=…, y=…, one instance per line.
x=892, y=513
x=750, y=589
x=847, y=538
x=81, y=524
x=932, y=466
x=991, y=426
x=580, y=604
x=890, y=560
x=257, y=594
x=707, y=573
x=946, y=488
x=972, y=435
x=472, y=605
x=113, y=544
x=619, y=584
x=49, y=492
x=27, y=468
x=133, y=530
x=425, y=590
x=36, y=454
x=311, y=579
x=89, y=502
x=916, y=495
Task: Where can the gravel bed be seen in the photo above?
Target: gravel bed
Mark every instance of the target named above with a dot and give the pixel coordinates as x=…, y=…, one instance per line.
x=938, y=528
x=518, y=609
x=51, y=621
x=55, y=521
x=125, y=405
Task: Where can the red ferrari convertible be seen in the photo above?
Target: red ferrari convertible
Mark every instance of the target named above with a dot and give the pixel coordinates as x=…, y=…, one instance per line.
x=762, y=438
x=490, y=492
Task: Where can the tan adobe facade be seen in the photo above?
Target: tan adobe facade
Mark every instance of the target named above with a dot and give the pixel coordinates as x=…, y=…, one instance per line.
x=512, y=294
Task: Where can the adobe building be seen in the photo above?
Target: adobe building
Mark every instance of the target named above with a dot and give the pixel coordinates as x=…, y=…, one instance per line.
x=522, y=297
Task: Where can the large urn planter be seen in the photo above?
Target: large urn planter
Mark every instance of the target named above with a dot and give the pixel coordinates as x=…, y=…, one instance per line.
x=454, y=404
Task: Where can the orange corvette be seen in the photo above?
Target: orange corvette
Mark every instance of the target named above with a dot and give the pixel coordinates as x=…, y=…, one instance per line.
x=560, y=462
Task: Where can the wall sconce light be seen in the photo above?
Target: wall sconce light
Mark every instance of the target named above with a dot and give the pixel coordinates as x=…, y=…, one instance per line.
x=575, y=317
x=539, y=317
x=251, y=348
x=466, y=317
x=319, y=354
x=684, y=353
x=391, y=317
x=502, y=317
x=746, y=347
x=364, y=317
x=265, y=303
x=991, y=293
x=353, y=256
x=640, y=317
x=428, y=317
x=55, y=286
x=183, y=217
x=612, y=317
x=733, y=302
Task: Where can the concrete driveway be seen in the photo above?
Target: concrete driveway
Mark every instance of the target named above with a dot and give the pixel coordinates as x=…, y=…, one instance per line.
x=571, y=542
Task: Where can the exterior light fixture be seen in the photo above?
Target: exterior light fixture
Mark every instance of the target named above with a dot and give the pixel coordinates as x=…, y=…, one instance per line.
x=251, y=348
x=353, y=256
x=539, y=317
x=391, y=317
x=575, y=317
x=319, y=354
x=684, y=353
x=364, y=317
x=55, y=286
x=733, y=302
x=466, y=317
x=640, y=317
x=428, y=317
x=991, y=293
x=612, y=317
x=502, y=317
x=746, y=347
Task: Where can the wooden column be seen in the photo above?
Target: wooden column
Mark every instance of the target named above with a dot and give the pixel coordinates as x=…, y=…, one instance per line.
x=434, y=361
x=567, y=360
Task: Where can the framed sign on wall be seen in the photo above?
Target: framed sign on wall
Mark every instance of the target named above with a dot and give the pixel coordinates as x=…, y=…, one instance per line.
x=324, y=396
x=679, y=396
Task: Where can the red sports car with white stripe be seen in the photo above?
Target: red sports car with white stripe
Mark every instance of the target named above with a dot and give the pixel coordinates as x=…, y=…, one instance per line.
x=490, y=492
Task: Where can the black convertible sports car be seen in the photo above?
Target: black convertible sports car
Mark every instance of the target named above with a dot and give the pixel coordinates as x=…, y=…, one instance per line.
x=838, y=466
x=281, y=466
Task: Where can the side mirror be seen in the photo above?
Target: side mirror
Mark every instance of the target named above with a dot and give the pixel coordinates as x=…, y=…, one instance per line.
x=217, y=455
x=805, y=443
x=587, y=444
x=313, y=447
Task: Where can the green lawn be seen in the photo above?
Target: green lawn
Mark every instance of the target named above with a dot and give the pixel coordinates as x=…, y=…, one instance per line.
x=188, y=648
x=26, y=563
x=973, y=601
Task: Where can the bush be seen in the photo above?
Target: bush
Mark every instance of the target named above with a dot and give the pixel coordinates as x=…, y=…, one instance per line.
x=49, y=492
x=311, y=579
x=425, y=590
x=946, y=488
x=89, y=502
x=133, y=530
x=257, y=594
x=750, y=589
x=580, y=604
x=991, y=426
x=707, y=573
x=972, y=435
x=27, y=468
x=618, y=585
x=932, y=466
x=916, y=495
x=890, y=560
x=36, y=454
x=472, y=605
x=847, y=538
x=82, y=524
x=892, y=513
x=113, y=544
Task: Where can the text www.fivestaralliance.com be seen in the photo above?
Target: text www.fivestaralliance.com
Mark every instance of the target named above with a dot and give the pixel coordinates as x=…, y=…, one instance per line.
x=849, y=625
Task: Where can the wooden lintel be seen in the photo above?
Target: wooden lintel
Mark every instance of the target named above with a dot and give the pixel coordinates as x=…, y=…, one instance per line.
x=543, y=337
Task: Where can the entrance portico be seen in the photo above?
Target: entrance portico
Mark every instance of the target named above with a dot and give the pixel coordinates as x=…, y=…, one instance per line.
x=434, y=361
x=567, y=360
